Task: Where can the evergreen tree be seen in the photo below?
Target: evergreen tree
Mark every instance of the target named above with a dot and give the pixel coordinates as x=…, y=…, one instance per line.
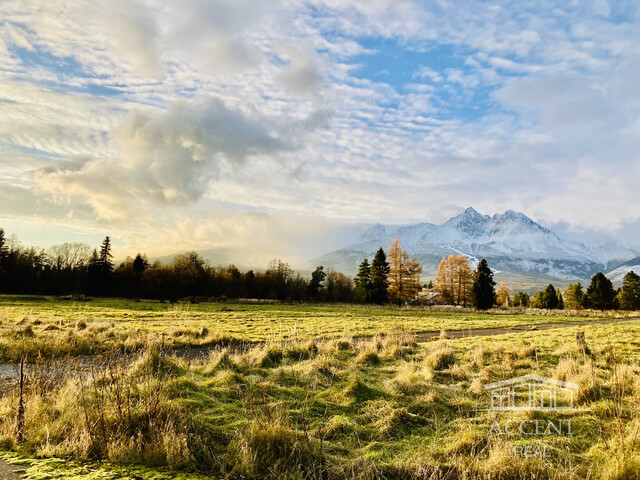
x=363, y=281
x=140, y=263
x=317, y=277
x=363, y=278
x=560, y=299
x=538, y=300
x=484, y=292
x=574, y=296
x=600, y=293
x=94, y=270
x=521, y=299
x=94, y=261
x=629, y=296
x=106, y=257
x=550, y=298
x=3, y=256
x=379, y=280
x=3, y=246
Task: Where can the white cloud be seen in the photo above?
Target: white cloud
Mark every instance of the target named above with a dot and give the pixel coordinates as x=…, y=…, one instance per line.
x=258, y=105
x=303, y=74
x=170, y=157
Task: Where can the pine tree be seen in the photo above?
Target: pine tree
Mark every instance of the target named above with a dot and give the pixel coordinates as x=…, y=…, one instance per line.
x=521, y=299
x=560, y=299
x=379, y=281
x=106, y=257
x=3, y=246
x=317, y=277
x=140, y=263
x=574, y=296
x=484, y=293
x=363, y=281
x=550, y=298
x=600, y=293
x=629, y=296
x=538, y=300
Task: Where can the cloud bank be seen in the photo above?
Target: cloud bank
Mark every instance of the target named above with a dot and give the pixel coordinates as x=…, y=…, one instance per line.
x=135, y=116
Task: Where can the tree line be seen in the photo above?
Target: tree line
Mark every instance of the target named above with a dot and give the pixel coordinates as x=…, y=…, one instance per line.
x=391, y=277
x=455, y=283
x=599, y=295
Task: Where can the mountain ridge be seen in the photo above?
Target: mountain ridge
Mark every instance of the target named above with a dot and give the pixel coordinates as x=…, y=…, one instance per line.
x=510, y=241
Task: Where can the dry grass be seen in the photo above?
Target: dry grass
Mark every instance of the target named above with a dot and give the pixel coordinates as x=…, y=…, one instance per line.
x=441, y=355
x=342, y=408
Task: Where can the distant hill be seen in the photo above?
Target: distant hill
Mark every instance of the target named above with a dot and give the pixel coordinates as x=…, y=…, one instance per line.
x=617, y=275
x=511, y=242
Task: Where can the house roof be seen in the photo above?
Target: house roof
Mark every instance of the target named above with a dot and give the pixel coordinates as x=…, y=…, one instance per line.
x=532, y=378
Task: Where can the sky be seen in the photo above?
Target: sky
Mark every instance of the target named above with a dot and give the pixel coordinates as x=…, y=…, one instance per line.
x=281, y=126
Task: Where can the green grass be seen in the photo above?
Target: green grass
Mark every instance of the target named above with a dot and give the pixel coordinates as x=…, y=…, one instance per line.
x=59, y=469
x=387, y=407
x=46, y=326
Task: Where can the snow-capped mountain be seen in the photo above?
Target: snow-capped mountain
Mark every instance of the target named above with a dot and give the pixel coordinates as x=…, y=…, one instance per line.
x=617, y=274
x=510, y=242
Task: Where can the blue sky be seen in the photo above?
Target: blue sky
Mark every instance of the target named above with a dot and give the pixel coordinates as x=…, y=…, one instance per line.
x=217, y=122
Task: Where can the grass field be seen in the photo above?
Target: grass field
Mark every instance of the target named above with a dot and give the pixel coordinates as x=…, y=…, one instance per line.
x=44, y=326
x=385, y=407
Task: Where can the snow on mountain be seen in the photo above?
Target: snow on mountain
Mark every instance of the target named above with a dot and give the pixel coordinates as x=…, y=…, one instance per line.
x=510, y=241
x=617, y=275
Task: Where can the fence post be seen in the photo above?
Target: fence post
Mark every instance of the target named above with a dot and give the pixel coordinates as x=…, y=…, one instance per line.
x=20, y=423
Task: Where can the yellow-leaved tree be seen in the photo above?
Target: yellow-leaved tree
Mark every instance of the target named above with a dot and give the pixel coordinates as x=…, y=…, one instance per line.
x=454, y=280
x=404, y=275
x=502, y=295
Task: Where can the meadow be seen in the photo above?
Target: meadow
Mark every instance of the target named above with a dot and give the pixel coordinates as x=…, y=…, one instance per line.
x=48, y=327
x=297, y=394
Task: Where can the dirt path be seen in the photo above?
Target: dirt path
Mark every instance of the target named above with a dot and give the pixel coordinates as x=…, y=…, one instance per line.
x=485, y=332
x=10, y=472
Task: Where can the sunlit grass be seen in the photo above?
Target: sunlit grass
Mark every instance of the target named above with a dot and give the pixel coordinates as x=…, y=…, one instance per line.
x=383, y=407
x=47, y=326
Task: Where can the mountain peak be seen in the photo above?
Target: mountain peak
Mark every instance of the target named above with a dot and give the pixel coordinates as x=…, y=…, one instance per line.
x=470, y=211
x=512, y=215
x=510, y=241
x=469, y=221
x=375, y=232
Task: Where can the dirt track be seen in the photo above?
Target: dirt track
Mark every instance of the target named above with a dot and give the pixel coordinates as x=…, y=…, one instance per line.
x=10, y=472
x=485, y=332
x=9, y=372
